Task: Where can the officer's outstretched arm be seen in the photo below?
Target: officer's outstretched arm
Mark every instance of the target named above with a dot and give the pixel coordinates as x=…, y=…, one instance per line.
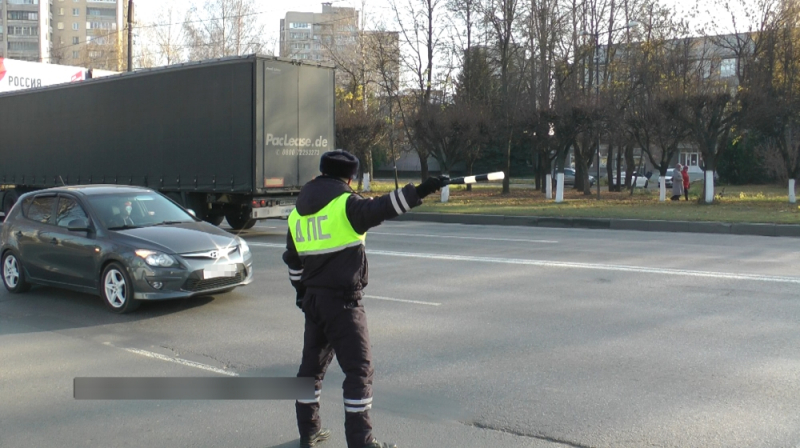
x=365, y=214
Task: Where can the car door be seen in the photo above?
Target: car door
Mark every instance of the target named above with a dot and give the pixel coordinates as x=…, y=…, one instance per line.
x=35, y=235
x=73, y=257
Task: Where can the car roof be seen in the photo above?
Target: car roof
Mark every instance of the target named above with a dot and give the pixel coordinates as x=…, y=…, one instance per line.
x=94, y=190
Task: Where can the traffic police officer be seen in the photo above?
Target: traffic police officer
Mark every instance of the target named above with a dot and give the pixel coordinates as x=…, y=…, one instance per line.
x=328, y=268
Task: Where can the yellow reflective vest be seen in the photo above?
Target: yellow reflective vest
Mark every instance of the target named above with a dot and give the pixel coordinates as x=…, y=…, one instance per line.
x=326, y=231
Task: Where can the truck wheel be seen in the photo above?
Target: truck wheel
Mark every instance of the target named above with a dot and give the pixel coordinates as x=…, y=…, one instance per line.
x=239, y=219
x=9, y=199
x=214, y=219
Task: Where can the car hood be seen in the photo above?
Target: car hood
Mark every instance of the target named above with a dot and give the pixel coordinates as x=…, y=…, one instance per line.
x=179, y=238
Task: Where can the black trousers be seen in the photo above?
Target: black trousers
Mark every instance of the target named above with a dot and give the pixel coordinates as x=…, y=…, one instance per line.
x=337, y=325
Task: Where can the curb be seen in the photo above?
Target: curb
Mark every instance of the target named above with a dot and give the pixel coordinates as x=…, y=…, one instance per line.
x=722, y=228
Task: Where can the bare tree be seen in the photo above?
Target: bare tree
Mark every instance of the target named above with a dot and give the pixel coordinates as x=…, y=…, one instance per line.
x=504, y=17
x=421, y=28
x=167, y=35
x=223, y=28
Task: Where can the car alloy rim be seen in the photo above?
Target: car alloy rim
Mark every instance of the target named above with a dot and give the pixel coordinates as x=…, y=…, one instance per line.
x=11, y=271
x=116, y=291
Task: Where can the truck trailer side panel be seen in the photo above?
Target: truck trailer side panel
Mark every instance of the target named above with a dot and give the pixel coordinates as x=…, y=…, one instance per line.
x=189, y=129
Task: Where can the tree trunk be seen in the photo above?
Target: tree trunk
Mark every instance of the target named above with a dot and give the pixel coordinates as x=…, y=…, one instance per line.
x=507, y=178
x=618, y=174
x=610, y=169
x=579, y=169
x=630, y=165
x=423, y=165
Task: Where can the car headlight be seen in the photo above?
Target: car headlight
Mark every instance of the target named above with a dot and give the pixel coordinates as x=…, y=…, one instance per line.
x=156, y=259
x=243, y=247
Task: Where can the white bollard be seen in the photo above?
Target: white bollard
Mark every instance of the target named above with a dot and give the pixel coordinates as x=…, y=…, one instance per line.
x=792, y=197
x=366, y=182
x=549, y=187
x=662, y=189
x=709, y=187
x=560, y=187
x=446, y=193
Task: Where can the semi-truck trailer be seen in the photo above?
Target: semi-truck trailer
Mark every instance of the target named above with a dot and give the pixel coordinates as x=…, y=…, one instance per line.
x=232, y=138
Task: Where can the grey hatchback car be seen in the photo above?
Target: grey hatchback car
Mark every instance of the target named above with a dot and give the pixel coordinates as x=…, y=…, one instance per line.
x=127, y=244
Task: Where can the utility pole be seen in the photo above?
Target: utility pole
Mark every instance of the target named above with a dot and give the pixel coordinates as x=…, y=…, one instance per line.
x=130, y=35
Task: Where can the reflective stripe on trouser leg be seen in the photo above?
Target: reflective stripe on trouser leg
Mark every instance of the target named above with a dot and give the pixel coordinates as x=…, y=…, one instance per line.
x=315, y=400
x=357, y=405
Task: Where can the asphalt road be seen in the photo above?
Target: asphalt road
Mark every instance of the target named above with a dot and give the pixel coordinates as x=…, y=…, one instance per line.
x=482, y=336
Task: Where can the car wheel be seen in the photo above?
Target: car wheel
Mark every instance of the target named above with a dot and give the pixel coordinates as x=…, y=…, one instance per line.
x=13, y=274
x=116, y=289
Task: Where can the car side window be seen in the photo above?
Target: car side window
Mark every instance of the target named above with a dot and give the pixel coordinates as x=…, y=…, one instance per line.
x=41, y=209
x=26, y=204
x=70, y=213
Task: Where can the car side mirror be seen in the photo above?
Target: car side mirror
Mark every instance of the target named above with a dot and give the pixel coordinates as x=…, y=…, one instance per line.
x=78, y=225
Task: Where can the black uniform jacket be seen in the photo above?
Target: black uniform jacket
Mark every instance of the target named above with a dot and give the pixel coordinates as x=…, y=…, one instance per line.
x=344, y=272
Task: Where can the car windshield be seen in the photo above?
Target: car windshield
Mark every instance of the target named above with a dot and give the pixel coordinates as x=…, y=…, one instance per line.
x=121, y=211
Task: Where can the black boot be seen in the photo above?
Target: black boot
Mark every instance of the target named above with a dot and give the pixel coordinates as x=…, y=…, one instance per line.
x=312, y=440
x=376, y=444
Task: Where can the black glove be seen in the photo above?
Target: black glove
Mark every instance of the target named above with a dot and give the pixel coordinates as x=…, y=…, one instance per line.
x=299, y=300
x=430, y=185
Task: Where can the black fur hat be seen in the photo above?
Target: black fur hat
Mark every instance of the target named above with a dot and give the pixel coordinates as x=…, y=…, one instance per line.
x=340, y=164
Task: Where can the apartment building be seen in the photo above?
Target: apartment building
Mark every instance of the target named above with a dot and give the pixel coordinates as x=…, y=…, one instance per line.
x=312, y=36
x=85, y=33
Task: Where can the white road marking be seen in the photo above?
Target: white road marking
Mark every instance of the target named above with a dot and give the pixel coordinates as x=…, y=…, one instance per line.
x=403, y=300
x=513, y=240
x=574, y=265
x=183, y=362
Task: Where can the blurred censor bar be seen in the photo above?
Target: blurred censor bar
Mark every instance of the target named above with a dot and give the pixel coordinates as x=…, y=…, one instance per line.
x=193, y=388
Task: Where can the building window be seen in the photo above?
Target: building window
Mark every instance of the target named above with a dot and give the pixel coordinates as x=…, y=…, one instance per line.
x=23, y=2
x=23, y=31
x=98, y=40
x=23, y=15
x=101, y=25
x=302, y=25
x=60, y=25
x=75, y=26
x=61, y=11
x=101, y=12
x=23, y=46
x=75, y=41
x=727, y=68
x=76, y=55
x=76, y=12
